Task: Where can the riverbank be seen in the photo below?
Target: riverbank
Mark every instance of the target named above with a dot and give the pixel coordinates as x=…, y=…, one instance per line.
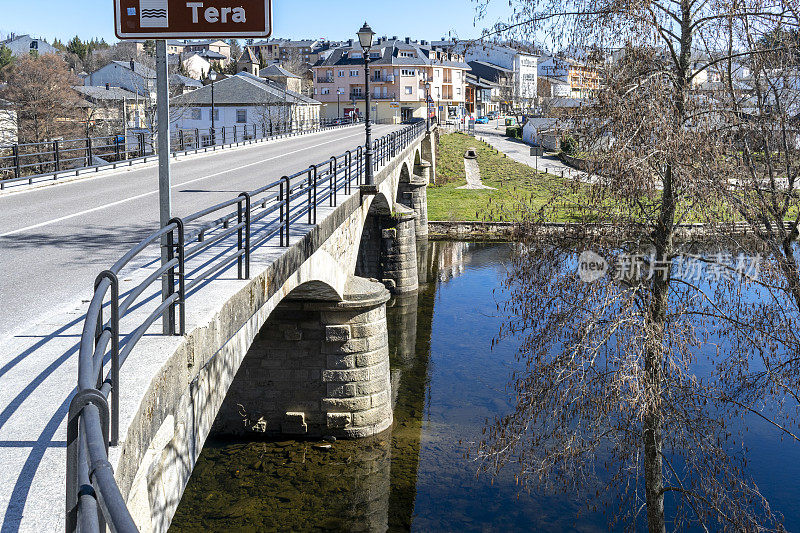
x=511, y=231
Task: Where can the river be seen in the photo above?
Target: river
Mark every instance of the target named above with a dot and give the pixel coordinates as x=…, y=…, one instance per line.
x=447, y=381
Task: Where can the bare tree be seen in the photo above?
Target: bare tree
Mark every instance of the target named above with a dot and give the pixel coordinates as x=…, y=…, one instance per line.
x=40, y=91
x=612, y=390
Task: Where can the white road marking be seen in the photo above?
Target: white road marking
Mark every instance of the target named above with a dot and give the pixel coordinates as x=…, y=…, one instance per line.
x=113, y=204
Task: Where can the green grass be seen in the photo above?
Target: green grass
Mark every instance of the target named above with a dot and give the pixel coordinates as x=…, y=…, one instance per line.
x=522, y=191
x=513, y=181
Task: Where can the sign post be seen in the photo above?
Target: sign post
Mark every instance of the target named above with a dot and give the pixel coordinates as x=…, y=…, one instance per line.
x=183, y=19
x=164, y=176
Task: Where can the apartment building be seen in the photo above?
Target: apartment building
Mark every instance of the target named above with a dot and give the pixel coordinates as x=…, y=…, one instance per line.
x=214, y=46
x=582, y=78
x=399, y=73
x=522, y=65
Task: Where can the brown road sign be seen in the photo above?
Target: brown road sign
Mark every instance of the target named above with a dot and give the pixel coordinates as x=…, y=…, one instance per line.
x=180, y=19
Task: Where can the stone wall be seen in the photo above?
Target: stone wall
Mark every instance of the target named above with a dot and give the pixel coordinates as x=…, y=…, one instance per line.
x=315, y=369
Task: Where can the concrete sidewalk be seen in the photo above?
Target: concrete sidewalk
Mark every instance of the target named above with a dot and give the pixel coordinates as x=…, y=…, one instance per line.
x=521, y=152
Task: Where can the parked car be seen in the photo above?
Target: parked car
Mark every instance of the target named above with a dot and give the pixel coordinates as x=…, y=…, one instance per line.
x=482, y=120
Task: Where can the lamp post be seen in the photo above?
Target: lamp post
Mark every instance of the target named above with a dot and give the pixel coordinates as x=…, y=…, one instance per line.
x=213, y=77
x=365, y=36
x=428, y=106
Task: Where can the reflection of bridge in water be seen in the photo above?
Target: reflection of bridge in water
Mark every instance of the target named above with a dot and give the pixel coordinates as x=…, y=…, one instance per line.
x=357, y=485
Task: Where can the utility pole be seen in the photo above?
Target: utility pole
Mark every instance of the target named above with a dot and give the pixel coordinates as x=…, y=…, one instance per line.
x=164, y=178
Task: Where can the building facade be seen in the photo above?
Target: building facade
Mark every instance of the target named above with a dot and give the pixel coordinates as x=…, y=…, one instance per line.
x=582, y=78
x=242, y=102
x=523, y=67
x=25, y=44
x=406, y=78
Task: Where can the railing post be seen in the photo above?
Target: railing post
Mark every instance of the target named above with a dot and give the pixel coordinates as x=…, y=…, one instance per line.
x=88, y=151
x=235, y=130
x=116, y=147
x=181, y=141
x=170, y=314
x=348, y=158
x=74, y=487
x=244, y=235
x=333, y=166
x=359, y=157
x=113, y=328
x=181, y=249
x=56, y=156
x=141, y=144
x=288, y=190
x=223, y=135
x=17, y=169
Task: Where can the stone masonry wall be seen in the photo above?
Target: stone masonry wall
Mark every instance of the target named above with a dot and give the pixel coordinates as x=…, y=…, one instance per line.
x=315, y=369
x=399, y=251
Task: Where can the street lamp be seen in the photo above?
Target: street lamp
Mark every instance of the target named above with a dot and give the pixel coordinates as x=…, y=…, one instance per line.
x=338, y=102
x=213, y=77
x=365, y=37
x=428, y=106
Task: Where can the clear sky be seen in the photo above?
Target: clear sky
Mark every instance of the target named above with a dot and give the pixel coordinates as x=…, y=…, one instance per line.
x=334, y=19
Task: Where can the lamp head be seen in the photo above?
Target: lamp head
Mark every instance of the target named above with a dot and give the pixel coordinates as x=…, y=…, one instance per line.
x=365, y=36
x=213, y=75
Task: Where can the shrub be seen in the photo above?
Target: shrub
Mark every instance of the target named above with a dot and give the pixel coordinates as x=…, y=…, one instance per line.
x=569, y=145
x=515, y=132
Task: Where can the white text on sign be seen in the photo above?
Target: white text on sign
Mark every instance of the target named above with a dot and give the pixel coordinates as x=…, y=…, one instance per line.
x=213, y=15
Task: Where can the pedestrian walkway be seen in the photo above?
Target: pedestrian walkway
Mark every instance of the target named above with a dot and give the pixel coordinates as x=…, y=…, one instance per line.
x=521, y=152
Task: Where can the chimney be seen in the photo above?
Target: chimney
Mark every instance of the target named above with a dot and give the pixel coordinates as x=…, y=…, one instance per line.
x=350, y=43
x=133, y=65
x=408, y=40
x=394, y=38
x=108, y=86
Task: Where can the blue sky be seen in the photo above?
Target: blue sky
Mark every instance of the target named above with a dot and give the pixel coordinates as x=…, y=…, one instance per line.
x=419, y=19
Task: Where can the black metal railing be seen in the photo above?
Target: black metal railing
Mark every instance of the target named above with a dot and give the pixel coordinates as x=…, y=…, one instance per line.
x=29, y=162
x=198, y=248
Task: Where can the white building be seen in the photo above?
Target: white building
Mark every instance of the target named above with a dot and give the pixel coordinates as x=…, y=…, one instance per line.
x=8, y=124
x=197, y=66
x=25, y=44
x=523, y=65
x=241, y=103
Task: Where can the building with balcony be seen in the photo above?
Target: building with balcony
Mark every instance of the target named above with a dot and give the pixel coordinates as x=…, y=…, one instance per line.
x=582, y=78
x=399, y=72
x=521, y=84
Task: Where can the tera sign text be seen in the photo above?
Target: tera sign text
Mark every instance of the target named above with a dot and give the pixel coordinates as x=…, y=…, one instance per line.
x=174, y=19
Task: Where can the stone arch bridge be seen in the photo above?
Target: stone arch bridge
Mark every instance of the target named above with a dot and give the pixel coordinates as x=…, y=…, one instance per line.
x=299, y=348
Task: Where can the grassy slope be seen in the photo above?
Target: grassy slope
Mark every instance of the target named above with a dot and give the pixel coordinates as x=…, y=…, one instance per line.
x=510, y=178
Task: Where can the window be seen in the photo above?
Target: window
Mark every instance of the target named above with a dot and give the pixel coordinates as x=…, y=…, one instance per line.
x=326, y=90
x=458, y=91
x=408, y=72
x=341, y=74
x=216, y=114
x=437, y=72
x=353, y=73
x=34, y=45
x=241, y=116
x=197, y=114
x=375, y=55
x=409, y=90
x=357, y=91
x=407, y=54
x=355, y=55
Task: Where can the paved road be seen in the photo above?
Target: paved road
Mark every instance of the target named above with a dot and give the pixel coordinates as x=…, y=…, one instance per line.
x=55, y=240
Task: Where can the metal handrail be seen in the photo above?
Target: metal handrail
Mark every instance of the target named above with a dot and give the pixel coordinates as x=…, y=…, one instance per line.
x=93, y=498
x=27, y=162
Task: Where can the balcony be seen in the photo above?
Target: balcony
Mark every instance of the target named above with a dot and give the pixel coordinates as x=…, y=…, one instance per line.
x=327, y=79
x=372, y=96
x=382, y=79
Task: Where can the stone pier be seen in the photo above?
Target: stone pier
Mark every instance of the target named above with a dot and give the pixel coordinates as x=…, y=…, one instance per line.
x=317, y=368
x=399, y=251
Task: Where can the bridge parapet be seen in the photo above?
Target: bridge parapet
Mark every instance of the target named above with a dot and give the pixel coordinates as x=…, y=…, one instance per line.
x=166, y=415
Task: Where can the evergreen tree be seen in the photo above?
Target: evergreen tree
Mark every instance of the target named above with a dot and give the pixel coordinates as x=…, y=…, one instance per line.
x=6, y=58
x=78, y=47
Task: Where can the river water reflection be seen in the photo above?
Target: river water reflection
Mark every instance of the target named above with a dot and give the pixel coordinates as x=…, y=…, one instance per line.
x=446, y=381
